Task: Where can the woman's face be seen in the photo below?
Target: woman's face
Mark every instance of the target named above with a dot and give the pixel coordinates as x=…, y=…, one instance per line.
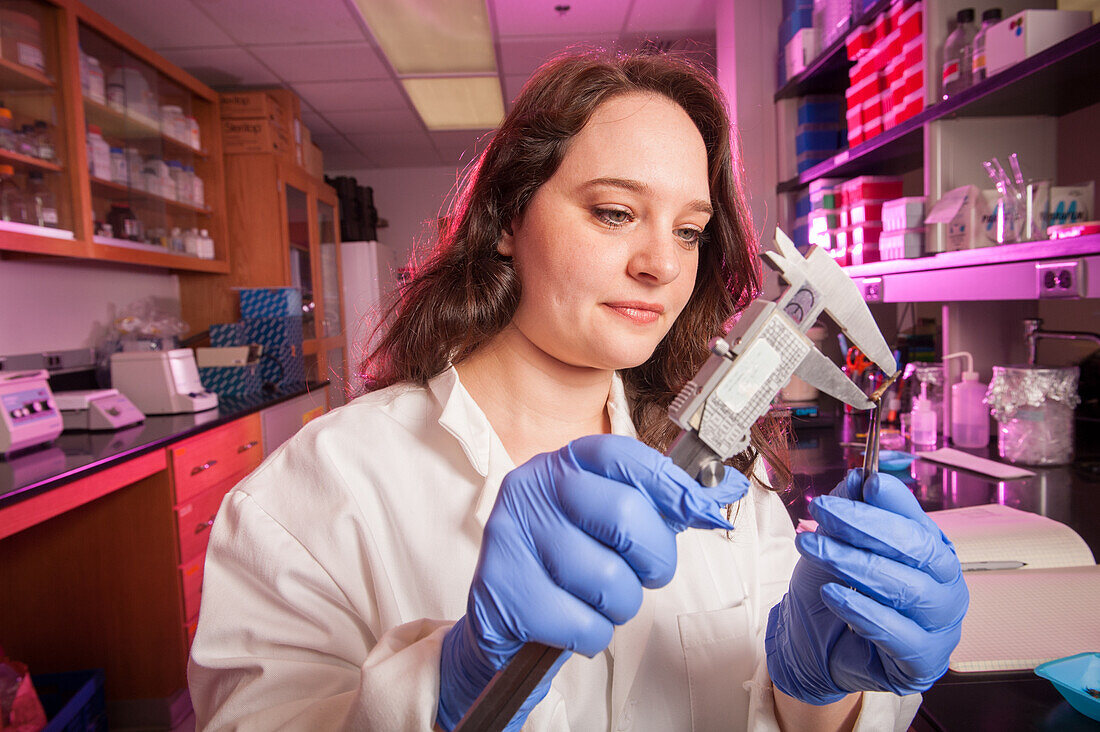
x=608, y=248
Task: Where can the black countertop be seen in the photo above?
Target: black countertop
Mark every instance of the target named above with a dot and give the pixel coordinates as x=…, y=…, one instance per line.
x=1069, y=494
x=76, y=455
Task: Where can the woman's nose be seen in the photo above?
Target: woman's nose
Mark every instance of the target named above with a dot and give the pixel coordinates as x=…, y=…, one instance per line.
x=656, y=258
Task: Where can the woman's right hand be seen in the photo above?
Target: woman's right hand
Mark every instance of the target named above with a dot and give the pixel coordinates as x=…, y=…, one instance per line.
x=573, y=538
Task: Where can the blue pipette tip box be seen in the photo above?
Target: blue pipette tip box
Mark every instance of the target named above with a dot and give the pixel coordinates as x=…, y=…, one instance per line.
x=1072, y=676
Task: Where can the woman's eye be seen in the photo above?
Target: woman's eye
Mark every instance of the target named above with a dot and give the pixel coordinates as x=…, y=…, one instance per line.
x=689, y=236
x=613, y=217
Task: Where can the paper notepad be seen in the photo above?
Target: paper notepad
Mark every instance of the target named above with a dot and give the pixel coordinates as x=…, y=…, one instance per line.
x=1019, y=618
x=966, y=461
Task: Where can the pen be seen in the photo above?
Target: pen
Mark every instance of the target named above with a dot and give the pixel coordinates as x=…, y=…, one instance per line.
x=985, y=566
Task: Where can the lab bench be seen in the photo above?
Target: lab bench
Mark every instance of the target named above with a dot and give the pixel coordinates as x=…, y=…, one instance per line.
x=974, y=702
x=103, y=538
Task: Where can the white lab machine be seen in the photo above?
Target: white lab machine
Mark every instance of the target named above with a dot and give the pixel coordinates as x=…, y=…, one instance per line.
x=161, y=382
x=96, y=409
x=29, y=416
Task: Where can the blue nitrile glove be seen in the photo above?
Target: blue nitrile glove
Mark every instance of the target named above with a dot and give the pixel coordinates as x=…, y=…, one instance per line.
x=572, y=539
x=896, y=629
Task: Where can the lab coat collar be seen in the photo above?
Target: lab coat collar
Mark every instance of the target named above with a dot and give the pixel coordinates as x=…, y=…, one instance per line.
x=464, y=420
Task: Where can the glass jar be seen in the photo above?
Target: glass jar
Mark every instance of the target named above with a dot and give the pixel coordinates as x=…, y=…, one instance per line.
x=44, y=140
x=124, y=223
x=7, y=128
x=92, y=79
x=13, y=205
x=22, y=38
x=1034, y=411
x=43, y=202
x=119, y=167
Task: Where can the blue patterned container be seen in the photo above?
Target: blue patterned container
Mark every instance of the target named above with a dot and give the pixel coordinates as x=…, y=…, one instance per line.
x=231, y=380
x=271, y=302
x=225, y=335
x=286, y=366
x=273, y=332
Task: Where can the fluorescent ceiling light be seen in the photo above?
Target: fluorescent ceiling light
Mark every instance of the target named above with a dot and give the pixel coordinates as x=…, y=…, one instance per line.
x=457, y=103
x=432, y=36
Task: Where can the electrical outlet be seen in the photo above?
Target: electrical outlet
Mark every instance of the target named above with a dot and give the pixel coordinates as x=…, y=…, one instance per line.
x=51, y=360
x=872, y=289
x=1059, y=279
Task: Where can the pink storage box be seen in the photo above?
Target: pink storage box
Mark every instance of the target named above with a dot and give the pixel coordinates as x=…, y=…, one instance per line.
x=912, y=52
x=871, y=188
x=903, y=213
x=858, y=42
x=912, y=81
x=866, y=212
x=911, y=22
x=863, y=254
x=893, y=44
x=906, y=244
x=855, y=135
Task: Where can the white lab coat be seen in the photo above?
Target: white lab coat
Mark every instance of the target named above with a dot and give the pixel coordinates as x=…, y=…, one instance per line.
x=337, y=566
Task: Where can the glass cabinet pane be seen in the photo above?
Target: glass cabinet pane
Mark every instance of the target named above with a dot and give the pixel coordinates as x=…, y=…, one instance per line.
x=337, y=374
x=330, y=271
x=35, y=197
x=301, y=271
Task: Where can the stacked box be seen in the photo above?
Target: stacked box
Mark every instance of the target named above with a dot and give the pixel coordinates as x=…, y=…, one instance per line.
x=231, y=380
x=800, y=232
x=272, y=332
x=832, y=19
x=902, y=228
x=863, y=199
x=283, y=361
x=262, y=120
x=225, y=335
x=824, y=216
x=820, y=129
x=798, y=39
x=271, y=302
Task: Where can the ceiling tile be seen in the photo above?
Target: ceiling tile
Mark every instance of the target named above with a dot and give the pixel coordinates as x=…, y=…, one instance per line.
x=283, y=21
x=521, y=56
x=185, y=27
x=339, y=96
x=460, y=147
x=538, y=18
x=664, y=17
x=323, y=62
x=370, y=144
x=512, y=86
x=221, y=67
x=332, y=145
x=413, y=158
x=375, y=121
x=317, y=124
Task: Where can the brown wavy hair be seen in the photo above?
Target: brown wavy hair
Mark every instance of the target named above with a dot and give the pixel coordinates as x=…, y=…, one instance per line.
x=465, y=292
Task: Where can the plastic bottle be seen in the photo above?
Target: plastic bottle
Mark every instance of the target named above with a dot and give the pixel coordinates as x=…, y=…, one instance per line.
x=191, y=242
x=13, y=206
x=99, y=154
x=956, y=54
x=969, y=415
x=25, y=141
x=43, y=140
x=119, y=167
x=7, y=128
x=922, y=420
x=43, y=204
x=990, y=18
x=206, y=245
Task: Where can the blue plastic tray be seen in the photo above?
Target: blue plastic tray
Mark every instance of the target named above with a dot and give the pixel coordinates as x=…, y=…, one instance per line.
x=1071, y=676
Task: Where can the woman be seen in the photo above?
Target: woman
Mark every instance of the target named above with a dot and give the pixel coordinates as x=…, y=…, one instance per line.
x=381, y=566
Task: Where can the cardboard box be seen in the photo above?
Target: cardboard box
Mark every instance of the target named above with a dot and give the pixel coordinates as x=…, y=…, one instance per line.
x=1026, y=34
x=315, y=161
x=254, y=135
x=270, y=302
x=249, y=104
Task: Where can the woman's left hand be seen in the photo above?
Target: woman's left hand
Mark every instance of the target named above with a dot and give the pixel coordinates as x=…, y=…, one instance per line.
x=875, y=603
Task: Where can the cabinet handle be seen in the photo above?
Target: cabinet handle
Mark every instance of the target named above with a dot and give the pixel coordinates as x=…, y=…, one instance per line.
x=247, y=446
x=205, y=525
x=205, y=466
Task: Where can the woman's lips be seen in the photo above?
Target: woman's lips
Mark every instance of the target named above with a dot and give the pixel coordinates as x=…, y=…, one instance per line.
x=642, y=313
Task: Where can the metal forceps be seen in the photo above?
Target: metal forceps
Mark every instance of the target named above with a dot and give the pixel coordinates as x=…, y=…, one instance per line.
x=870, y=454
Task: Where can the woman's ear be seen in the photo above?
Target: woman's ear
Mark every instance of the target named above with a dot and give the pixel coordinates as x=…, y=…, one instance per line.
x=506, y=244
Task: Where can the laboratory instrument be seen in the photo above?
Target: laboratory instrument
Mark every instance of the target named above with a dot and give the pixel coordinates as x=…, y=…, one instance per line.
x=30, y=415
x=161, y=382
x=717, y=407
x=96, y=409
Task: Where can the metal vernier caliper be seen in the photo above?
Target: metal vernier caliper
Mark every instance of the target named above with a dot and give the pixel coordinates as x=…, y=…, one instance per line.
x=746, y=370
x=718, y=407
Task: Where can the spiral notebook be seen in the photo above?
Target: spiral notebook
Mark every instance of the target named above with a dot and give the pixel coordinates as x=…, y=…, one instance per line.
x=1019, y=618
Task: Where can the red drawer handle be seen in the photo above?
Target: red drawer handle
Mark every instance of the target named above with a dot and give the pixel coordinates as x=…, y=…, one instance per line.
x=205, y=466
x=247, y=446
x=205, y=525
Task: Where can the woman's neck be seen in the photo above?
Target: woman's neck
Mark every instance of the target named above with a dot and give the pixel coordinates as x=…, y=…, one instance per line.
x=535, y=403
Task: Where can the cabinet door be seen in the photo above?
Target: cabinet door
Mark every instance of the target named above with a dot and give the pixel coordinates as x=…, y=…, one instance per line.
x=301, y=264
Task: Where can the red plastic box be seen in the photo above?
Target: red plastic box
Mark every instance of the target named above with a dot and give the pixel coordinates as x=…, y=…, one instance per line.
x=871, y=188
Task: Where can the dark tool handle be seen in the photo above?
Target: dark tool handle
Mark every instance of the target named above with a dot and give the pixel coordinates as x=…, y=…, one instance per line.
x=509, y=688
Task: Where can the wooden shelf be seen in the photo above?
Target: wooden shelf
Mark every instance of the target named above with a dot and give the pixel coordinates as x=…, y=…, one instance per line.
x=9, y=156
x=1056, y=81
x=18, y=77
x=121, y=250
x=130, y=127
x=136, y=193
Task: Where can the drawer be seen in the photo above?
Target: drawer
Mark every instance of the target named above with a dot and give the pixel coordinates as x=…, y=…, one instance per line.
x=191, y=582
x=194, y=519
x=205, y=459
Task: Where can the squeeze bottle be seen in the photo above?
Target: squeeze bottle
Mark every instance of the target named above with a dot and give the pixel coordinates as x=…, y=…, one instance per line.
x=922, y=420
x=969, y=415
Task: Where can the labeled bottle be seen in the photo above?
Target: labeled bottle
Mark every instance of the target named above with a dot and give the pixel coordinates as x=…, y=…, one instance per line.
x=206, y=245
x=969, y=414
x=25, y=141
x=13, y=206
x=922, y=420
x=7, y=128
x=99, y=155
x=124, y=224
x=990, y=18
x=43, y=140
x=956, y=54
x=43, y=202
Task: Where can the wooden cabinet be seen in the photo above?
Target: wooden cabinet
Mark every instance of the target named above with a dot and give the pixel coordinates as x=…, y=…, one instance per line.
x=90, y=89
x=116, y=583
x=285, y=233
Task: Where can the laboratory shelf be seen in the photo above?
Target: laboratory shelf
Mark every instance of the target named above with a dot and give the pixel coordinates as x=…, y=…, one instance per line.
x=1006, y=272
x=1056, y=81
x=108, y=188
x=10, y=156
x=829, y=71
x=132, y=127
x=133, y=252
x=17, y=77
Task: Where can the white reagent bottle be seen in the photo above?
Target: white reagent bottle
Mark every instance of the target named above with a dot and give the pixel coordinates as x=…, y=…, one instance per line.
x=969, y=414
x=922, y=420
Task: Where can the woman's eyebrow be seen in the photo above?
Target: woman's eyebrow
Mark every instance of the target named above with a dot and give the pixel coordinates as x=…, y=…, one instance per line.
x=637, y=186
